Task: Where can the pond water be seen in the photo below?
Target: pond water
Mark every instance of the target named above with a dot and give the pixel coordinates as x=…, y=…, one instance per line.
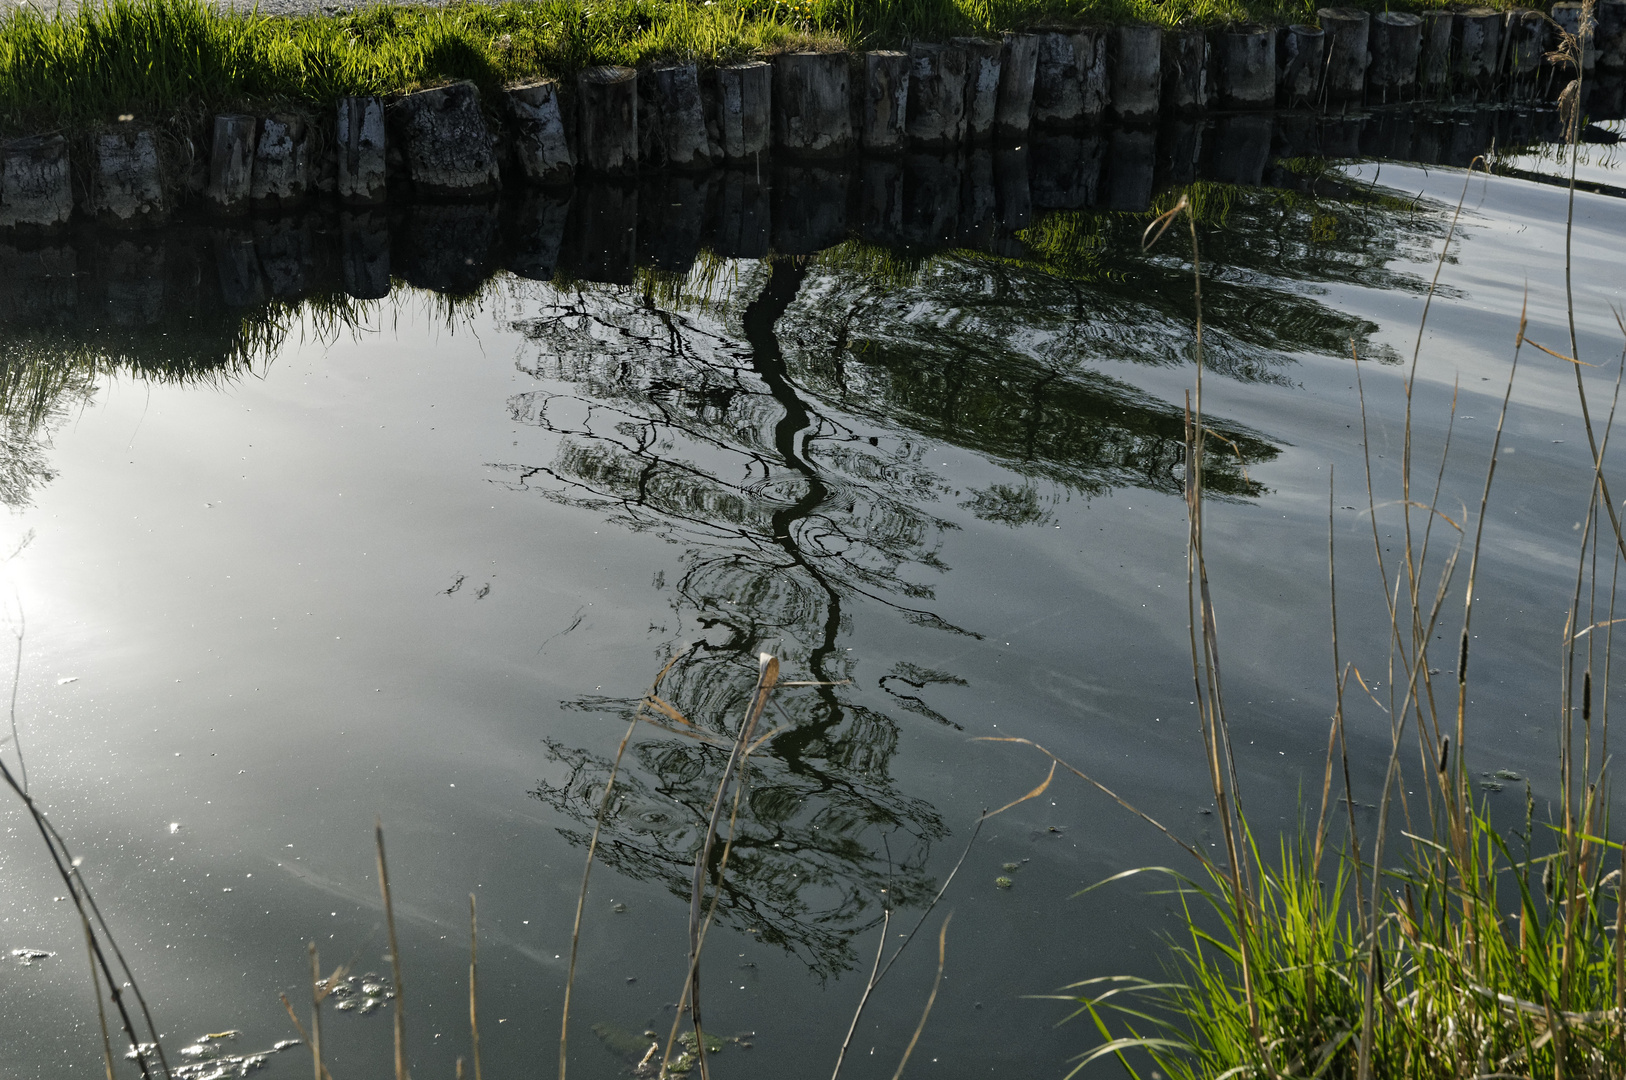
x=300, y=563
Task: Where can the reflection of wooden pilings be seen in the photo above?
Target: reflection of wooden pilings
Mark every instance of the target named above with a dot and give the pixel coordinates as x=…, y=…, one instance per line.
x=811, y=104
x=1524, y=43
x=607, y=128
x=36, y=191
x=743, y=215
x=364, y=254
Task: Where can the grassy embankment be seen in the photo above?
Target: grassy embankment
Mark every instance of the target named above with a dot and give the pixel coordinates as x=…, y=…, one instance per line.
x=76, y=69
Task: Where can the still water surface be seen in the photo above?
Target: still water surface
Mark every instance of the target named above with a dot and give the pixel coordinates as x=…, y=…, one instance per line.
x=420, y=564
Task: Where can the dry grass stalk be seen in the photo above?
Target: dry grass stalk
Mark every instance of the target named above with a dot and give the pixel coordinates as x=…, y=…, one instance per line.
x=401, y=1072
x=652, y=699
x=474, y=988
x=96, y=984
x=942, y=949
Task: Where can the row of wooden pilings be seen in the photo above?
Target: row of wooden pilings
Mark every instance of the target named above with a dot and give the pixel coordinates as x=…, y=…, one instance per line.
x=976, y=198
x=615, y=121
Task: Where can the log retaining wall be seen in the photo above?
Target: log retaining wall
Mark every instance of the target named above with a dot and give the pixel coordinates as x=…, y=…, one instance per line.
x=448, y=143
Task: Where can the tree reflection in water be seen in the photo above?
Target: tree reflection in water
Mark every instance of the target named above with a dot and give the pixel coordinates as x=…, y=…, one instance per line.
x=796, y=500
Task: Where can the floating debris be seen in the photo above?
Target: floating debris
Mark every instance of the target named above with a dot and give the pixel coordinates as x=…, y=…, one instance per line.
x=30, y=957
x=364, y=995
x=203, y=1060
x=643, y=1052
x=1489, y=785
x=1011, y=867
x=1003, y=882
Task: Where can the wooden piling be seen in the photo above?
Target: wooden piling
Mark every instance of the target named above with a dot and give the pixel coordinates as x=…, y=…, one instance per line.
x=607, y=124
x=886, y=102
x=1014, y=111
x=745, y=110
x=811, y=104
x=1137, y=73
x=36, y=190
x=1347, y=31
x=361, y=177
x=937, y=91
x=539, y=133
x=1396, y=41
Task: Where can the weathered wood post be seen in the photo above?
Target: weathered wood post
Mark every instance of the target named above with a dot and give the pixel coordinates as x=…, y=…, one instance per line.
x=231, y=164
x=607, y=127
x=1014, y=111
x=1524, y=37
x=936, y=107
x=1185, y=71
x=361, y=178
x=886, y=101
x=1396, y=45
x=449, y=149
x=539, y=133
x=1347, y=31
x=36, y=190
x=1137, y=73
x=984, y=60
x=745, y=109
x=1476, y=45
x=1299, y=53
x=1567, y=14
x=1611, y=31
x=672, y=120
x=1070, y=80
x=1246, y=62
x=812, y=114
x=282, y=163
x=127, y=179
x=1434, y=68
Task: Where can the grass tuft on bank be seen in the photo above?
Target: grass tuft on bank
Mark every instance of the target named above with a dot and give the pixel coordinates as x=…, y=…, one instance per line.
x=76, y=67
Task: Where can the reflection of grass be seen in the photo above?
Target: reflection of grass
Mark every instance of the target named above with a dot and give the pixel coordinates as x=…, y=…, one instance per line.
x=82, y=65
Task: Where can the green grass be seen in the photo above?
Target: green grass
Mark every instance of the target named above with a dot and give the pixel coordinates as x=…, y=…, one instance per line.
x=77, y=68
